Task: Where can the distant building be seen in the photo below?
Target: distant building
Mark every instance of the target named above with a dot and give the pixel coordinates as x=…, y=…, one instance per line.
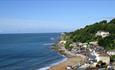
x=112, y=52
x=73, y=44
x=83, y=67
x=102, y=56
x=93, y=43
x=85, y=45
x=79, y=43
x=102, y=33
x=62, y=42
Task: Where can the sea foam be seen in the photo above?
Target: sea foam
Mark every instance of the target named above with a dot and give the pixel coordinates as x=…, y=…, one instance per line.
x=48, y=43
x=47, y=67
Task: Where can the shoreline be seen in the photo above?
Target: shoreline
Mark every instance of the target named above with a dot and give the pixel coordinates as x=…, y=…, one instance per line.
x=53, y=64
x=72, y=61
x=63, y=63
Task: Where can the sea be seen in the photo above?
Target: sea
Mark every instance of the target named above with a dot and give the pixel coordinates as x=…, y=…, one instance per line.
x=30, y=51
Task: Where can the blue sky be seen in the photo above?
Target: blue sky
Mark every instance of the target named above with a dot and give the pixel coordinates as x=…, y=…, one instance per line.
x=40, y=16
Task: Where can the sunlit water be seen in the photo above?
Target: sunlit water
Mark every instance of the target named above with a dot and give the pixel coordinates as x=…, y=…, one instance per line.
x=27, y=51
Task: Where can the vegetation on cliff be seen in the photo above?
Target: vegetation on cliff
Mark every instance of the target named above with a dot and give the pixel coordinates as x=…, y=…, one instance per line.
x=87, y=34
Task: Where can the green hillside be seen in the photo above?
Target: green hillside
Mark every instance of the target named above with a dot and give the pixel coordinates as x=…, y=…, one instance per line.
x=87, y=34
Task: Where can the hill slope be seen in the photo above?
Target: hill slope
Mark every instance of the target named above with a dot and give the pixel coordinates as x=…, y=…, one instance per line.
x=87, y=34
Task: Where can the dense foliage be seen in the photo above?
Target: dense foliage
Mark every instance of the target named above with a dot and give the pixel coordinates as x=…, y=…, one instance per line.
x=87, y=34
x=113, y=57
x=108, y=42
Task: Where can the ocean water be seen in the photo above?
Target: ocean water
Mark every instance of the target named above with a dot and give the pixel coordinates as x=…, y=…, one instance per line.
x=27, y=51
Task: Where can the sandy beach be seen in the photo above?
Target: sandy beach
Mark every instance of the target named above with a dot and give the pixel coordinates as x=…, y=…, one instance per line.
x=70, y=61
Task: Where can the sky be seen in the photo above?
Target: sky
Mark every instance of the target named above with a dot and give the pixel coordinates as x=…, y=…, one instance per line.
x=47, y=16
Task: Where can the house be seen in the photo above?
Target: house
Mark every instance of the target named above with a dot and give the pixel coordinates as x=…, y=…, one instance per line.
x=102, y=56
x=110, y=67
x=62, y=42
x=83, y=67
x=92, y=48
x=112, y=52
x=85, y=45
x=75, y=50
x=94, y=43
x=79, y=43
x=73, y=44
x=102, y=34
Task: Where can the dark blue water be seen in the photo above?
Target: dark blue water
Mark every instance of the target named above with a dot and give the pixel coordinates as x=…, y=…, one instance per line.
x=27, y=51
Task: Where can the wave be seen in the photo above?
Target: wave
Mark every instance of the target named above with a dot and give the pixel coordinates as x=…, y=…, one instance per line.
x=48, y=43
x=53, y=64
x=45, y=68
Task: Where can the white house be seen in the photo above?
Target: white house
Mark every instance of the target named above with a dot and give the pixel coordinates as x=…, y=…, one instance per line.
x=101, y=56
x=85, y=45
x=94, y=42
x=73, y=44
x=111, y=52
x=102, y=33
x=62, y=42
x=79, y=43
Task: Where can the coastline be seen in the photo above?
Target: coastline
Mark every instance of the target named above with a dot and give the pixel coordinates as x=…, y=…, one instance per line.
x=53, y=64
x=62, y=64
x=70, y=58
x=72, y=61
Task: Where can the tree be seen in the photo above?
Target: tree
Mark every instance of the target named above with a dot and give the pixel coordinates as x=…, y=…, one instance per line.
x=112, y=21
x=103, y=21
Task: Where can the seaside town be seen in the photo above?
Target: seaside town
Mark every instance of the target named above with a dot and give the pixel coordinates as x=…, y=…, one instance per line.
x=57, y=34
x=94, y=57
